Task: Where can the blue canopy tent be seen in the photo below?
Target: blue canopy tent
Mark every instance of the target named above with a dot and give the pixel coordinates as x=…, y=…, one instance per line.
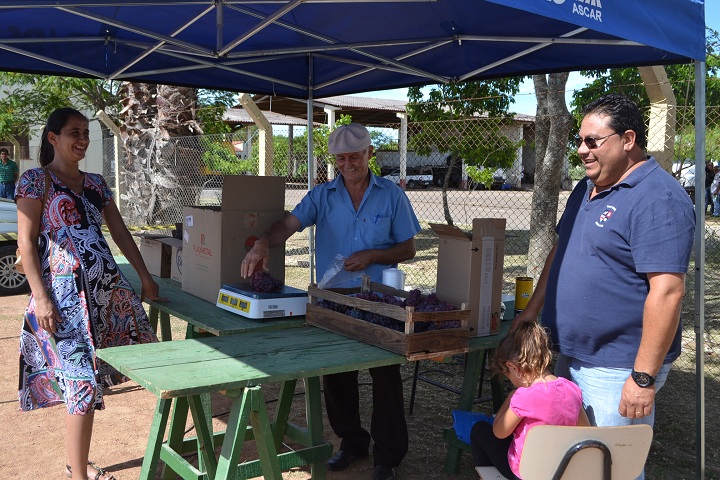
x=318, y=48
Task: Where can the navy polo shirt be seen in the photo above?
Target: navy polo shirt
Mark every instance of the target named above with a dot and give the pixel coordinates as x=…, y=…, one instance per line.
x=597, y=283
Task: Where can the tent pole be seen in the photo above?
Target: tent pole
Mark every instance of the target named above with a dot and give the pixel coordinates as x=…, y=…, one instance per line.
x=700, y=210
x=311, y=164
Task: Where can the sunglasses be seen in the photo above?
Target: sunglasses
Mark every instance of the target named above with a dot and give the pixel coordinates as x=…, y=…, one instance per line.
x=591, y=142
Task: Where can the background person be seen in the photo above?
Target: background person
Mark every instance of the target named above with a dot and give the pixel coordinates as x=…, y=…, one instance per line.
x=710, y=172
x=80, y=300
x=613, y=284
x=369, y=220
x=715, y=192
x=539, y=398
x=9, y=172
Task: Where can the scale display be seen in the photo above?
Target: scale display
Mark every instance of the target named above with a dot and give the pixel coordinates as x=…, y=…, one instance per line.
x=239, y=299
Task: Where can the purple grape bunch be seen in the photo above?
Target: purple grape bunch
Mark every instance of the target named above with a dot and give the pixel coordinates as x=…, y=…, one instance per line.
x=332, y=306
x=261, y=281
x=422, y=303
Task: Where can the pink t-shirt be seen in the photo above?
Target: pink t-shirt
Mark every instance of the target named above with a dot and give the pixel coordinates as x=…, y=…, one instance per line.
x=557, y=402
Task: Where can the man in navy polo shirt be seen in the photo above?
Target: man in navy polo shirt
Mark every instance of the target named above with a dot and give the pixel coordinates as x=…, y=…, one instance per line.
x=369, y=221
x=613, y=284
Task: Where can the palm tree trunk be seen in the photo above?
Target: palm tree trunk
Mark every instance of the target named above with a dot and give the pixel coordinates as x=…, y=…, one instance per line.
x=155, y=166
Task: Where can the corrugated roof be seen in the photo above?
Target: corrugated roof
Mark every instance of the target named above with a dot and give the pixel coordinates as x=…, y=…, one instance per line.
x=365, y=110
x=239, y=116
x=365, y=102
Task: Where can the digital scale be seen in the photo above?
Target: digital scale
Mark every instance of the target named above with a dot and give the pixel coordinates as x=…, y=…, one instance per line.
x=238, y=298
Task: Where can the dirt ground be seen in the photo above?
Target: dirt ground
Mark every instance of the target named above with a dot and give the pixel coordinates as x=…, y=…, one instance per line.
x=32, y=443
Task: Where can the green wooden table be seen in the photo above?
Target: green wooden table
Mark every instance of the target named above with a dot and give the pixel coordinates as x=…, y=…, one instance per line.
x=200, y=315
x=203, y=316
x=203, y=320
x=184, y=370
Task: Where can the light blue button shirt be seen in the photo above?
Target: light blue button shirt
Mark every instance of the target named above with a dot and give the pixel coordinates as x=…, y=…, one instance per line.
x=385, y=218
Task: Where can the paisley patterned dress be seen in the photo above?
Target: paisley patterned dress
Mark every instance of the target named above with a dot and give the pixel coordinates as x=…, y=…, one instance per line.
x=97, y=304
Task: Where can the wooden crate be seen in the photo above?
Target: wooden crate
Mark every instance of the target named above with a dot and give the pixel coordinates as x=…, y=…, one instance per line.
x=414, y=345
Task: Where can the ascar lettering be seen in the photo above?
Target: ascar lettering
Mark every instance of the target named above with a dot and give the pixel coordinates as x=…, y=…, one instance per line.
x=588, y=11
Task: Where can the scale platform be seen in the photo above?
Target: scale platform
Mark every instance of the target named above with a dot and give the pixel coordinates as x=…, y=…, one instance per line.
x=238, y=298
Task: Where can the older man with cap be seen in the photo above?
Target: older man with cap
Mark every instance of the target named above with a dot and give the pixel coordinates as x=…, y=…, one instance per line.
x=368, y=220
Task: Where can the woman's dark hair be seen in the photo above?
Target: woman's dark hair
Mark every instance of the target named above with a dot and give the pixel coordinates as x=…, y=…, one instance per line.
x=623, y=113
x=55, y=122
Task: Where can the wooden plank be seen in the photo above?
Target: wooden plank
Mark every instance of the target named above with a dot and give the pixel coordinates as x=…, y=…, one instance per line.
x=185, y=367
x=438, y=342
x=385, y=309
x=304, y=456
x=414, y=345
x=386, y=338
x=391, y=311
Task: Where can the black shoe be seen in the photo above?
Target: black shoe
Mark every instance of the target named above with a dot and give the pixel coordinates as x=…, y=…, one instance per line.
x=342, y=460
x=383, y=473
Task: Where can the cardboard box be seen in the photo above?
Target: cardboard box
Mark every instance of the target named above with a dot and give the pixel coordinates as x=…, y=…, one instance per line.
x=470, y=271
x=155, y=254
x=216, y=239
x=176, y=249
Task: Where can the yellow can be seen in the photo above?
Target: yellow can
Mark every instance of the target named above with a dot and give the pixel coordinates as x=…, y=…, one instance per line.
x=523, y=291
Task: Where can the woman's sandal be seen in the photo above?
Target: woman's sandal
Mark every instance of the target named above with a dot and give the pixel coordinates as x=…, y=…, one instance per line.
x=100, y=472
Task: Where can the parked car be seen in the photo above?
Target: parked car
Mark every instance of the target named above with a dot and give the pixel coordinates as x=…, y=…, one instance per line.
x=685, y=173
x=422, y=179
x=11, y=282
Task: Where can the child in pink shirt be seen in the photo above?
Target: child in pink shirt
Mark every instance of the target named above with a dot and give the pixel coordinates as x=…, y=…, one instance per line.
x=540, y=398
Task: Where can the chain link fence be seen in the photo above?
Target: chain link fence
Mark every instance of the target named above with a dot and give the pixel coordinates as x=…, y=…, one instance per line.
x=189, y=171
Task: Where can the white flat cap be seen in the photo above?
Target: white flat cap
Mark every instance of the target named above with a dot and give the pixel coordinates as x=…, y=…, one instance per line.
x=349, y=138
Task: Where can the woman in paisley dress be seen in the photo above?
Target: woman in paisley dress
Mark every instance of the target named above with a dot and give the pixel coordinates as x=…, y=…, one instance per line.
x=80, y=300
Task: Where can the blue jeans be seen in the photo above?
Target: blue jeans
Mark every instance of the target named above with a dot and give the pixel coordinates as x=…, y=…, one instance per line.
x=7, y=190
x=602, y=389
x=709, y=201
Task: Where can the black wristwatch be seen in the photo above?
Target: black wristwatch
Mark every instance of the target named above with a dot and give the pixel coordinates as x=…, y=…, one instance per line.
x=642, y=379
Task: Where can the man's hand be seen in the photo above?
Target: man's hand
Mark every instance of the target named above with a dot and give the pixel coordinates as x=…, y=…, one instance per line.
x=636, y=402
x=358, y=261
x=259, y=254
x=523, y=317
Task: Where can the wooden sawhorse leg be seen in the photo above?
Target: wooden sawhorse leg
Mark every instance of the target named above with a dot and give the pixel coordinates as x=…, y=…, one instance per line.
x=165, y=331
x=248, y=406
x=155, y=439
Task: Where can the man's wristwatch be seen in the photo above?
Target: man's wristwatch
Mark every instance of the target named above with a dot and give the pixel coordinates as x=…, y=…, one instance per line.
x=642, y=379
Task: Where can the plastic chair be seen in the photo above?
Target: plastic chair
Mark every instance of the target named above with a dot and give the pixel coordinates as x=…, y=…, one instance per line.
x=554, y=452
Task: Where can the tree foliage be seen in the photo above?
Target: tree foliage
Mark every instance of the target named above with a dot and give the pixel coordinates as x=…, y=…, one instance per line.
x=290, y=161
x=28, y=100
x=212, y=105
x=473, y=113
x=220, y=159
x=682, y=78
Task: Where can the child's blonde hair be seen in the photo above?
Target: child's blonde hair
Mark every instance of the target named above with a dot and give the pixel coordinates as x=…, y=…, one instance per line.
x=527, y=346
